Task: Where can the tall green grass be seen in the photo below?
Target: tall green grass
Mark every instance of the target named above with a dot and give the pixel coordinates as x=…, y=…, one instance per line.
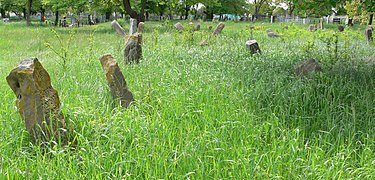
x=212, y=112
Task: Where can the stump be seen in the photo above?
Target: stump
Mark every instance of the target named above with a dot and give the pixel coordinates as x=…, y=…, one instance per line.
x=341, y=28
x=312, y=28
x=116, y=81
x=219, y=28
x=303, y=68
x=133, y=48
x=368, y=34
x=37, y=102
x=253, y=47
x=133, y=26
x=179, y=26
x=141, y=27
x=120, y=31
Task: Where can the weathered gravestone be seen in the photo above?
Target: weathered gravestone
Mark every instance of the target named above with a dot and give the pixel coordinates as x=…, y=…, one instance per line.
x=141, y=27
x=312, y=28
x=133, y=26
x=253, y=46
x=37, y=102
x=116, y=81
x=133, y=48
x=219, y=28
x=198, y=26
x=306, y=67
x=120, y=31
x=270, y=33
x=179, y=26
x=341, y=28
x=368, y=33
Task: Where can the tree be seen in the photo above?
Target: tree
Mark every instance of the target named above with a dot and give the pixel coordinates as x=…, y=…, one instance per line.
x=140, y=17
x=360, y=10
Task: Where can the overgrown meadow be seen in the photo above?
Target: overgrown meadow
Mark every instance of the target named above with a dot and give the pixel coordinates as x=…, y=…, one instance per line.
x=211, y=112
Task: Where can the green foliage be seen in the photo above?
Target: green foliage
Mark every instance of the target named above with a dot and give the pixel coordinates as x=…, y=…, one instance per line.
x=64, y=47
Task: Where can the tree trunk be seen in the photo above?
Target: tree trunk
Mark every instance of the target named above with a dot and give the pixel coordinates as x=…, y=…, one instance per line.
x=57, y=18
x=28, y=12
x=107, y=15
x=370, y=19
x=2, y=12
x=350, y=22
x=187, y=8
x=133, y=14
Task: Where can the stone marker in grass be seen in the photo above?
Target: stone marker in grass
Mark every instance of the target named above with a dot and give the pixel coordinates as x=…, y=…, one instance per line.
x=198, y=26
x=133, y=48
x=116, y=81
x=341, y=28
x=179, y=26
x=272, y=34
x=133, y=26
x=120, y=31
x=312, y=28
x=306, y=67
x=368, y=33
x=219, y=28
x=141, y=27
x=38, y=102
x=253, y=47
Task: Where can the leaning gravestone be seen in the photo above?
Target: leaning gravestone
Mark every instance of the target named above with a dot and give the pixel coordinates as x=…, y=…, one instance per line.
x=116, y=81
x=341, y=28
x=304, y=68
x=219, y=28
x=133, y=48
x=37, y=102
x=179, y=26
x=133, y=26
x=253, y=46
x=270, y=33
x=141, y=27
x=312, y=28
x=120, y=31
x=368, y=34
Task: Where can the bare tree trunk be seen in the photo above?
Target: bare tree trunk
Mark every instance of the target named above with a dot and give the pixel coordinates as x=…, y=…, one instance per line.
x=370, y=19
x=57, y=18
x=28, y=12
x=133, y=14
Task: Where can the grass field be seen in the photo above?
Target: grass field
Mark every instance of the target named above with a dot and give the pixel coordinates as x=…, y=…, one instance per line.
x=213, y=112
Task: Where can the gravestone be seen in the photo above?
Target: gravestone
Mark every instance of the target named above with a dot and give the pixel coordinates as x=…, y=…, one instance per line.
x=219, y=28
x=272, y=34
x=133, y=26
x=304, y=68
x=312, y=28
x=133, y=48
x=141, y=27
x=120, y=31
x=204, y=42
x=368, y=34
x=341, y=28
x=209, y=28
x=253, y=46
x=38, y=102
x=116, y=81
x=198, y=26
x=179, y=26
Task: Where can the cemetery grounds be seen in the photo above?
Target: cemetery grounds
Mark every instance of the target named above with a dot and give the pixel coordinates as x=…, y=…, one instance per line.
x=211, y=112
